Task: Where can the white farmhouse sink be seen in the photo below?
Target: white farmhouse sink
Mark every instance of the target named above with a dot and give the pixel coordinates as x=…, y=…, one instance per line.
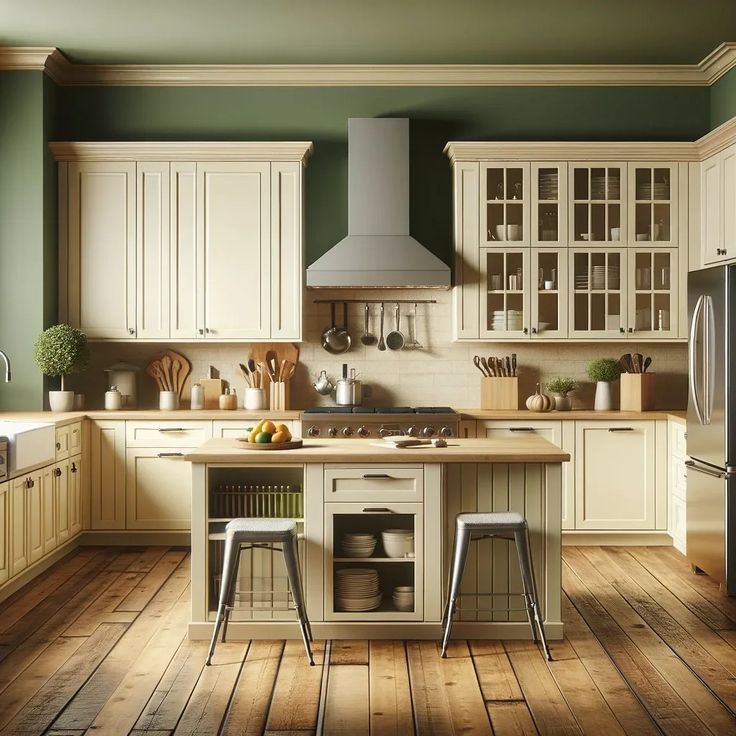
x=30, y=445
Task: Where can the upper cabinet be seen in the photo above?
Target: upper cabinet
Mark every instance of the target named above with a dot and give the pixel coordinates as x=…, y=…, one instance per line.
x=182, y=241
x=718, y=207
x=557, y=241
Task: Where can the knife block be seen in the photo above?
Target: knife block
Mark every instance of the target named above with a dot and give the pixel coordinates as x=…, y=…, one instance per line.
x=637, y=391
x=499, y=393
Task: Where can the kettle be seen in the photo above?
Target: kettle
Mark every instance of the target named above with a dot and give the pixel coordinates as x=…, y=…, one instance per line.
x=323, y=385
x=348, y=391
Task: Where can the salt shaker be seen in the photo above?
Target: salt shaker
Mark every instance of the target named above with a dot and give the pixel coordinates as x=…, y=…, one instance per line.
x=113, y=399
x=197, y=401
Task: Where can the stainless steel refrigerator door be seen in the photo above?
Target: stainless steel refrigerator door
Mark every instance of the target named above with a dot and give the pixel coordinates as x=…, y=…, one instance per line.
x=708, y=349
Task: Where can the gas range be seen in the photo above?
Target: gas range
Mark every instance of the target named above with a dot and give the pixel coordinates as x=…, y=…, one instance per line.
x=364, y=421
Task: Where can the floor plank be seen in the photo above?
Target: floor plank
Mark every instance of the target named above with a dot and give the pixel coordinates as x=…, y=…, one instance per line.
x=347, y=708
x=349, y=651
x=512, y=718
x=152, y=581
x=390, y=692
x=494, y=671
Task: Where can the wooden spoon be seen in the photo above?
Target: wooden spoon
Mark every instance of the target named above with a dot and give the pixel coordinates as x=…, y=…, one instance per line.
x=637, y=361
x=626, y=364
x=175, y=372
x=166, y=370
x=154, y=370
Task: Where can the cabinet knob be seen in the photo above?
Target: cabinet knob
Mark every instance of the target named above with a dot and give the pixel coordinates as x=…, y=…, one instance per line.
x=208, y=330
x=73, y=468
x=631, y=329
x=30, y=483
x=57, y=472
x=534, y=330
x=201, y=331
x=621, y=329
x=58, y=445
x=526, y=331
x=131, y=331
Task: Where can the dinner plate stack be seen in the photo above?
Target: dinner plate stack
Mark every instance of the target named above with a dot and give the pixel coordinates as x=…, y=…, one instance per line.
x=581, y=281
x=358, y=545
x=356, y=589
x=502, y=319
x=548, y=184
x=661, y=191
x=598, y=277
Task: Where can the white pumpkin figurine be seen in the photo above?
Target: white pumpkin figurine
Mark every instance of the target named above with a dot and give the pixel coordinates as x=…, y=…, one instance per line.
x=540, y=402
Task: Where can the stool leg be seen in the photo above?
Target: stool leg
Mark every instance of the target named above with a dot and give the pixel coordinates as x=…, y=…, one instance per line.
x=291, y=558
x=231, y=592
x=523, y=548
x=459, y=556
x=228, y=568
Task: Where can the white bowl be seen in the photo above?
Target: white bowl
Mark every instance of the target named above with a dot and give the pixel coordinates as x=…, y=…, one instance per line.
x=398, y=542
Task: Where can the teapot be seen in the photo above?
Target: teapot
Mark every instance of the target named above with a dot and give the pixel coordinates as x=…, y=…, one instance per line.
x=323, y=385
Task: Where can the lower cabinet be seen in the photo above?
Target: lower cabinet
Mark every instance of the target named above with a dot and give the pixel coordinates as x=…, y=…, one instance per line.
x=26, y=519
x=678, y=486
x=107, y=475
x=62, y=487
x=158, y=489
x=48, y=494
x=75, y=495
x=4, y=531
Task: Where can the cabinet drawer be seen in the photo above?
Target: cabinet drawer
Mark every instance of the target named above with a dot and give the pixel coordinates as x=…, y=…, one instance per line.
x=63, y=438
x=167, y=434
x=75, y=438
x=367, y=484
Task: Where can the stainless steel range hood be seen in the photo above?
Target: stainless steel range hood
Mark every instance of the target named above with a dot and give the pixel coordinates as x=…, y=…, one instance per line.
x=378, y=250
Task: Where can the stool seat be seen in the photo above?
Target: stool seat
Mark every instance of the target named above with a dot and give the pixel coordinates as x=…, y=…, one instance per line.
x=506, y=521
x=261, y=530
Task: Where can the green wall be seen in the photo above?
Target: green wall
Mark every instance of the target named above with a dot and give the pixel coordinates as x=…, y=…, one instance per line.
x=723, y=99
x=27, y=240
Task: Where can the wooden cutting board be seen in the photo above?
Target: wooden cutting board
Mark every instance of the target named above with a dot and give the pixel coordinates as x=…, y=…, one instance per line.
x=185, y=368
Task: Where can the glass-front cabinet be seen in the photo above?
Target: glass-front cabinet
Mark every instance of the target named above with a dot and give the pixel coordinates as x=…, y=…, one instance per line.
x=653, y=292
x=549, y=204
x=504, y=293
x=548, y=286
x=374, y=556
x=597, y=195
x=597, y=291
x=653, y=203
x=504, y=191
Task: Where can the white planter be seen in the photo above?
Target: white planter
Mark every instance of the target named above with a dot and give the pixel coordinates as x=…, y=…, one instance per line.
x=61, y=401
x=602, y=396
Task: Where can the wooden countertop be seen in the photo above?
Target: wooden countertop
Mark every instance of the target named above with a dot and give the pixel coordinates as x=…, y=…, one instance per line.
x=579, y=414
x=154, y=415
x=508, y=450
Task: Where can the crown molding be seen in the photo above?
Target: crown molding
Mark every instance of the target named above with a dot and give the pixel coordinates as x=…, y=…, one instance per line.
x=718, y=139
x=63, y=72
x=458, y=151
x=184, y=151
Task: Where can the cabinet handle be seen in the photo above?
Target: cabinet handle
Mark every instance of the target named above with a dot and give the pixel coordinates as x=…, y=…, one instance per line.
x=631, y=329
x=30, y=483
x=171, y=429
x=58, y=445
x=170, y=454
x=73, y=468
x=521, y=429
x=534, y=330
x=526, y=331
x=57, y=472
x=208, y=330
x=200, y=331
x=374, y=476
x=371, y=510
x=620, y=429
x=621, y=329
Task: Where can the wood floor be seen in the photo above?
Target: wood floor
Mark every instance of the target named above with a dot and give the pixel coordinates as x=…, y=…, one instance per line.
x=97, y=644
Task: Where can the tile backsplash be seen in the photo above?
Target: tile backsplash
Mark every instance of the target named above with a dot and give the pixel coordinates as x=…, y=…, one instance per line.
x=440, y=373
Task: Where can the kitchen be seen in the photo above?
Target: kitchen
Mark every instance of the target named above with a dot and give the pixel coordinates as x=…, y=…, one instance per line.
x=354, y=272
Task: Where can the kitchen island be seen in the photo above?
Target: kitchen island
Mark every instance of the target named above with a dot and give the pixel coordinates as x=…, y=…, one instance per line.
x=340, y=487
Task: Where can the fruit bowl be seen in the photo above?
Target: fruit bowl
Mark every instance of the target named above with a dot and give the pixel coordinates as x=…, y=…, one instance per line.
x=267, y=435
x=290, y=445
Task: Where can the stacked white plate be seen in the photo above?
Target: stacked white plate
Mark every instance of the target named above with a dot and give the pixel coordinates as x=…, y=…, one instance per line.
x=598, y=277
x=356, y=589
x=403, y=598
x=511, y=319
x=398, y=542
x=358, y=545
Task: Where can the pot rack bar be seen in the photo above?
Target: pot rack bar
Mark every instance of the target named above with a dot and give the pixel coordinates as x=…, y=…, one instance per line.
x=375, y=301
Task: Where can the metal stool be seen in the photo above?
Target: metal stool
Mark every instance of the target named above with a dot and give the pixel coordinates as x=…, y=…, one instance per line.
x=508, y=525
x=259, y=534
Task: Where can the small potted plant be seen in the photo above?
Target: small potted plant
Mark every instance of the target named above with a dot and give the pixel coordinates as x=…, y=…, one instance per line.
x=603, y=371
x=561, y=387
x=59, y=351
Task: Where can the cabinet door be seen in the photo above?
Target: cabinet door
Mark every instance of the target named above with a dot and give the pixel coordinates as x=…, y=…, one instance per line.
x=653, y=204
x=504, y=297
x=466, y=293
x=186, y=298
x=597, y=196
x=101, y=248
x=286, y=251
x=233, y=239
x=75, y=495
x=548, y=286
x=728, y=234
x=61, y=500
x=158, y=489
x=4, y=532
x=598, y=293
x=653, y=293
x=50, y=540
x=711, y=208
x=549, y=204
x=34, y=514
x=107, y=475
x=18, y=530
x=343, y=519
x=504, y=206
x=152, y=249
x=615, y=469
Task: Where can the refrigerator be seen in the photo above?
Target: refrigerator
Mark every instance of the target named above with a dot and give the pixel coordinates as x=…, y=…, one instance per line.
x=711, y=424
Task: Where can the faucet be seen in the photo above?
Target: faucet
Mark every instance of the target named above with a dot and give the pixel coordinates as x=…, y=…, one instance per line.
x=7, y=366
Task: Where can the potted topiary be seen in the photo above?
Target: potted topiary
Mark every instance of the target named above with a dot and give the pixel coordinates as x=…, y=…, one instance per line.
x=59, y=351
x=603, y=371
x=561, y=387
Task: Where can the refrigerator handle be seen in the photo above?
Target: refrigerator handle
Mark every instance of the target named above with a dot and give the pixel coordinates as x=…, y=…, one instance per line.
x=709, y=375
x=692, y=358
x=692, y=465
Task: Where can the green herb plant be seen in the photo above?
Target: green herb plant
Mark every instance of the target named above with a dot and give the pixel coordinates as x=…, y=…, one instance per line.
x=604, y=369
x=562, y=386
x=61, y=350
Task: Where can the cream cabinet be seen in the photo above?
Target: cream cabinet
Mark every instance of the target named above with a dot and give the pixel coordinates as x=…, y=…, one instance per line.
x=158, y=489
x=62, y=489
x=107, y=475
x=27, y=521
x=718, y=206
x=549, y=204
x=654, y=206
x=48, y=501
x=76, y=522
x=5, y=531
x=505, y=195
x=598, y=204
x=182, y=241
x=677, y=477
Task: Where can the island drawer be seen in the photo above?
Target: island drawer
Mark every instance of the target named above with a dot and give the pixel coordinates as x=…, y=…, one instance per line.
x=167, y=434
x=361, y=483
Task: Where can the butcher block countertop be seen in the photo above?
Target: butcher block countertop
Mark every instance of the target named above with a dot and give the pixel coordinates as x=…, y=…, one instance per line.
x=575, y=414
x=505, y=450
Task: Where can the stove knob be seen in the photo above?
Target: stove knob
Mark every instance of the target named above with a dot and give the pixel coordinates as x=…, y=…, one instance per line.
x=332, y=431
x=428, y=431
x=363, y=431
x=413, y=431
x=313, y=431
x=446, y=432
x=384, y=432
x=347, y=431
